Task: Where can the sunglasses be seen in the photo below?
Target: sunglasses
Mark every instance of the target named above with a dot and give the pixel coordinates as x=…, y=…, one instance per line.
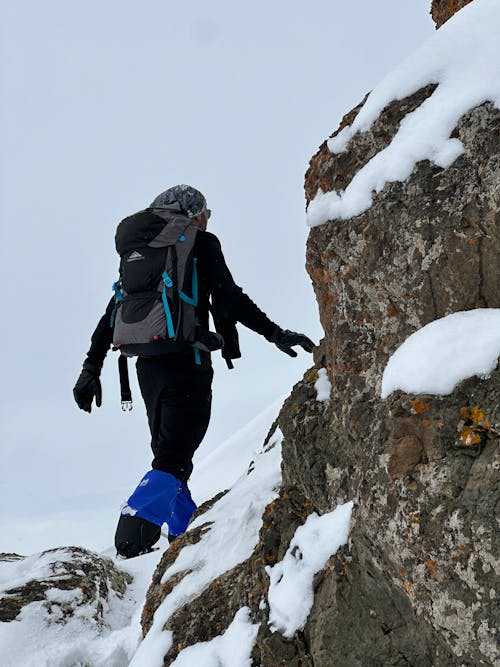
x=209, y=213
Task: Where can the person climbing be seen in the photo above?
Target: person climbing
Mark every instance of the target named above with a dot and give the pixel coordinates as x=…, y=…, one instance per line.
x=172, y=275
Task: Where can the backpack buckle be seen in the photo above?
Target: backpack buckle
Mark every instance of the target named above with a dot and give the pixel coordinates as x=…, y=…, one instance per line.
x=127, y=406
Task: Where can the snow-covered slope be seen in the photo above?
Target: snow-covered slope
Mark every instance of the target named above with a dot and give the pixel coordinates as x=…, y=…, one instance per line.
x=32, y=640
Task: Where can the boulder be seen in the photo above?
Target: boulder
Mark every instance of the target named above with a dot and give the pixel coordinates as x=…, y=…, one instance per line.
x=63, y=584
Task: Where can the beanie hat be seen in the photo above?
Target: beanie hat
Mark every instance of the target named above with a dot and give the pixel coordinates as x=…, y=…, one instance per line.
x=189, y=199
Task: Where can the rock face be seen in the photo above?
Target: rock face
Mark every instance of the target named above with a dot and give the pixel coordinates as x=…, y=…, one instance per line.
x=442, y=10
x=416, y=583
x=426, y=248
x=419, y=587
x=416, y=587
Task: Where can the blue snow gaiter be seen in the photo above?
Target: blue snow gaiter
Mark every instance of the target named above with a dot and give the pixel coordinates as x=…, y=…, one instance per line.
x=183, y=510
x=162, y=498
x=154, y=498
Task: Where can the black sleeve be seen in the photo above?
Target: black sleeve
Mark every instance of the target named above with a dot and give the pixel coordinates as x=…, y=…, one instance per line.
x=101, y=338
x=229, y=300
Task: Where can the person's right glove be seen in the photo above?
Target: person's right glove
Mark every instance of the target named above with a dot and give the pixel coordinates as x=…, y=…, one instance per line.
x=285, y=339
x=88, y=387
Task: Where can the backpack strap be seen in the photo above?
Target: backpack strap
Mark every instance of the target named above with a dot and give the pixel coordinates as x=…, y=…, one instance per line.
x=167, y=283
x=126, y=394
x=116, y=287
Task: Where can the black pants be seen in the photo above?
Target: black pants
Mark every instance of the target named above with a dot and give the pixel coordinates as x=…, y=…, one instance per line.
x=178, y=398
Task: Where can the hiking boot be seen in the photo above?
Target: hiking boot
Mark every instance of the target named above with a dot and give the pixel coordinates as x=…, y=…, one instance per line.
x=135, y=536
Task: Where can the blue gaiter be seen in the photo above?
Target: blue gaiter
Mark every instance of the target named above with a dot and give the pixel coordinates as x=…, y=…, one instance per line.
x=162, y=498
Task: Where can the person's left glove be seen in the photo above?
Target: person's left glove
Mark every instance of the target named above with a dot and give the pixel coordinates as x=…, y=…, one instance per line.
x=88, y=387
x=285, y=340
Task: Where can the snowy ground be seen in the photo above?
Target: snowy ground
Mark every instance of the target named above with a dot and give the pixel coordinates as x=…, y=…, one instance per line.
x=252, y=473
x=28, y=642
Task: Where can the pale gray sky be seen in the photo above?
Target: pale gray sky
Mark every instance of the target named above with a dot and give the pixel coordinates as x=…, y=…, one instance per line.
x=104, y=105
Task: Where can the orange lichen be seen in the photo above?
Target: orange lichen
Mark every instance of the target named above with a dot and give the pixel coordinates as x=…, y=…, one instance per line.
x=419, y=407
x=312, y=376
x=464, y=413
x=391, y=310
x=469, y=437
x=408, y=588
x=474, y=427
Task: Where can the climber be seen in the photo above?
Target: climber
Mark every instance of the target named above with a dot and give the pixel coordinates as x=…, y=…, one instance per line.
x=165, y=243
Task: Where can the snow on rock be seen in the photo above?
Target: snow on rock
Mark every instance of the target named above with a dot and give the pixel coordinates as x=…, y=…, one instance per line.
x=441, y=354
x=232, y=649
x=291, y=593
x=323, y=386
x=62, y=607
x=231, y=536
x=462, y=57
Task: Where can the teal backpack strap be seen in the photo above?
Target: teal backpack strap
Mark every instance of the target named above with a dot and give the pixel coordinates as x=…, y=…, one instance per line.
x=167, y=282
x=116, y=287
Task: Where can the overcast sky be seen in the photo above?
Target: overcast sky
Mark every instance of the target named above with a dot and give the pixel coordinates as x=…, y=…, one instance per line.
x=106, y=104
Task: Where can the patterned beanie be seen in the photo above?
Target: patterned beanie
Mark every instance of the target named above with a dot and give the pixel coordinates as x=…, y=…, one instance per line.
x=189, y=199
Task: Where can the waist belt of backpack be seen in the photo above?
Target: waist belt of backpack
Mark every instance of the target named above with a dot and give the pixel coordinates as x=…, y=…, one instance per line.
x=126, y=394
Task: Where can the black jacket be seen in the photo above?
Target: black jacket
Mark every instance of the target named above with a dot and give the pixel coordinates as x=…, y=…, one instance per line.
x=217, y=292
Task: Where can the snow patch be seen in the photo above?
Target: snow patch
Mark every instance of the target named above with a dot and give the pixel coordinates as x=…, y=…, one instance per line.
x=232, y=649
x=291, y=593
x=323, y=386
x=441, y=354
x=42, y=638
x=462, y=57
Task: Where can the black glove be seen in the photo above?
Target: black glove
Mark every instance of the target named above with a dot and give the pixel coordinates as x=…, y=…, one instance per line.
x=87, y=387
x=285, y=339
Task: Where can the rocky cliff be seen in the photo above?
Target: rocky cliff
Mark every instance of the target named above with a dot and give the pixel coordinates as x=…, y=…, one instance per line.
x=416, y=583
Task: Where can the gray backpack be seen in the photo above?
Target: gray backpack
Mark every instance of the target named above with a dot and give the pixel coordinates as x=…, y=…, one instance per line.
x=156, y=296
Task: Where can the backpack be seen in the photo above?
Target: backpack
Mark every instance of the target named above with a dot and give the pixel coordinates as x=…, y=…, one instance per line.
x=156, y=296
